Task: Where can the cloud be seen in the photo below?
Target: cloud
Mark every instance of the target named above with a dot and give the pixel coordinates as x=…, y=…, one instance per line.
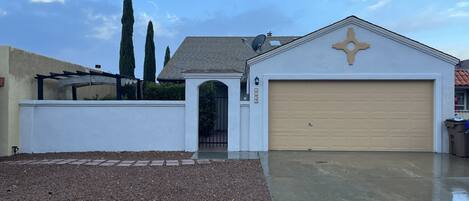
x=154, y=5
x=459, y=10
x=3, y=12
x=459, y=14
x=172, y=18
x=462, y=4
x=250, y=22
x=48, y=1
x=379, y=4
x=104, y=27
x=430, y=17
x=161, y=27
x=141, y=23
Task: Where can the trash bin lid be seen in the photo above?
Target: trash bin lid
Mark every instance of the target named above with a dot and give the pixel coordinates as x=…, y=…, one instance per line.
x=456, y=120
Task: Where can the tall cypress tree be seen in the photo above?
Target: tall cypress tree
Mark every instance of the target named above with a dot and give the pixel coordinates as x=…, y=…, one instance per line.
x=127, y=58
x=149, y=65
x=167, y=56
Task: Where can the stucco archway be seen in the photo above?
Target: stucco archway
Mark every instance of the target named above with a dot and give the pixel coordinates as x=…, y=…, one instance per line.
x=193, y=81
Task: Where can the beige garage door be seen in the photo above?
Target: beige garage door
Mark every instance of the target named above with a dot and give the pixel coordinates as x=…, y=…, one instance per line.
x=351, y=115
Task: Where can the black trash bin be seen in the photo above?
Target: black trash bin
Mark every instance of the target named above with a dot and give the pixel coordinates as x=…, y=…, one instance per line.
x=458, y=137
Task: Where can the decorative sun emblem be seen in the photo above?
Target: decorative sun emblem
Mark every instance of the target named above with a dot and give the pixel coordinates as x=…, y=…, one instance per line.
x=351, y=46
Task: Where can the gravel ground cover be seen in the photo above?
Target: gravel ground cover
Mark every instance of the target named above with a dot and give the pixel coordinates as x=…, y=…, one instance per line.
x=229, y=180
x=146, y=155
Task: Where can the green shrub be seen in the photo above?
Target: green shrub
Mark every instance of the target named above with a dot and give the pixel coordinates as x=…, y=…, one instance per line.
x=163, y=91
x=129, y=92
x=97, y=97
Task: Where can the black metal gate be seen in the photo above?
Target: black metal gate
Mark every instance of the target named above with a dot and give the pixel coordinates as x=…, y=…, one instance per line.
x=216, y=137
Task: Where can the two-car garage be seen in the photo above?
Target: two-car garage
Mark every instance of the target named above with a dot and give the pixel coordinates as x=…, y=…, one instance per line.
x=351, y=115
x=351, y=86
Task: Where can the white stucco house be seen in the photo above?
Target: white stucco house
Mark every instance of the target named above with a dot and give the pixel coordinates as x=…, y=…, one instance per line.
x=350, y=86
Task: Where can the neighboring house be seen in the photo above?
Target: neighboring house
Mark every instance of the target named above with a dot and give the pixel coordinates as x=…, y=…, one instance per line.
x=18, y=69
x=350, y=86
x=461, y=102
x=464, y=64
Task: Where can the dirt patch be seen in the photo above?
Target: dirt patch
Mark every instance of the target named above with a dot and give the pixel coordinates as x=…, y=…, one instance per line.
x=230, y=180
x=146, y=155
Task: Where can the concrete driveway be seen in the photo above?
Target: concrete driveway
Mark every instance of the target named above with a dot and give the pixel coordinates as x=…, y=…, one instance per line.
x=365, y=176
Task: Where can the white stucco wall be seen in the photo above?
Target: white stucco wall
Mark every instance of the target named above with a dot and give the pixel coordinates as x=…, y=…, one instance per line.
x=192, y=84
x=244, y=142
x=385, y=59
x=74, y=126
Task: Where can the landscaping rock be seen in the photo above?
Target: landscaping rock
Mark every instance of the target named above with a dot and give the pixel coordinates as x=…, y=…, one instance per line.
x=25, y=162
x=232, y=180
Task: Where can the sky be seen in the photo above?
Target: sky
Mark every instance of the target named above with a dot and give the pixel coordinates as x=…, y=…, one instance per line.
x=88, y=32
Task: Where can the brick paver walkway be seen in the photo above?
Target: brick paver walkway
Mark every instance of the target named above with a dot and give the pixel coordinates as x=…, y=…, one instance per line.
x=107, y=163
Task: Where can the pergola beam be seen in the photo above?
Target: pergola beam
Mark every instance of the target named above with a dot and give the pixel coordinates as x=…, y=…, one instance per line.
x=81, y=78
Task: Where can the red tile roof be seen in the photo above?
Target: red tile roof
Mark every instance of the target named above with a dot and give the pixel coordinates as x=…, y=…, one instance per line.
x=461, y=77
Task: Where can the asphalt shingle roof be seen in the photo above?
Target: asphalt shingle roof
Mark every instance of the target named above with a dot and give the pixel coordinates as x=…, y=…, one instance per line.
x=464, y=64
x=214, y=54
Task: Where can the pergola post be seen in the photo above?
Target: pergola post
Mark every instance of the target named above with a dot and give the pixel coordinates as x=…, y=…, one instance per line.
x=40, y=88
x=118, y=88
x=139, y=89
x=74, y=93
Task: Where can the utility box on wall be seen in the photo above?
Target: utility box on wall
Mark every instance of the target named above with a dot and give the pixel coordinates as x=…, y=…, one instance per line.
x=2, y=81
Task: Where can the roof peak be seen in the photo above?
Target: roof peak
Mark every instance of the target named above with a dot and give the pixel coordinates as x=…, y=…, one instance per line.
x=354, y=20
x=240, y=36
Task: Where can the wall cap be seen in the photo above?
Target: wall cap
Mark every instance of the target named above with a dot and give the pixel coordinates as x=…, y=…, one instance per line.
x=111, y=103
x=218, y=76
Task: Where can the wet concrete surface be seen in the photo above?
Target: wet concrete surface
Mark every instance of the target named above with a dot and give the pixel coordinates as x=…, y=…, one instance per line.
x=383, y=176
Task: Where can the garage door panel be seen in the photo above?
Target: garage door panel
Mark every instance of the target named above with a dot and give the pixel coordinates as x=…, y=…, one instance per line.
x=351, y=115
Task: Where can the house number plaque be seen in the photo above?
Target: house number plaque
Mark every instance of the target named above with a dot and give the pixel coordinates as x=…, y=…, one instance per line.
x=256, y=95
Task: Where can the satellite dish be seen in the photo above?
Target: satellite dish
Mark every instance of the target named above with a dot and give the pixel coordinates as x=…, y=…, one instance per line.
x=258, y=42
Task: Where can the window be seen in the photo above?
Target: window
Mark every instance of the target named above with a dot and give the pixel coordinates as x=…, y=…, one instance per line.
x=460, y=100
x=275, y=43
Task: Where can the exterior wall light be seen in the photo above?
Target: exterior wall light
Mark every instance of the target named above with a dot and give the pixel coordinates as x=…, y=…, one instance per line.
x=256, y=81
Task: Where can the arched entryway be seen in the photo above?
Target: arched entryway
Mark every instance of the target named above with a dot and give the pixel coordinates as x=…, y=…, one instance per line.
x=213, y=116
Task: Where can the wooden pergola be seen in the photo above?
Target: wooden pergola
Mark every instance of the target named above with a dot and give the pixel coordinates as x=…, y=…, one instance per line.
x=81, y=79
